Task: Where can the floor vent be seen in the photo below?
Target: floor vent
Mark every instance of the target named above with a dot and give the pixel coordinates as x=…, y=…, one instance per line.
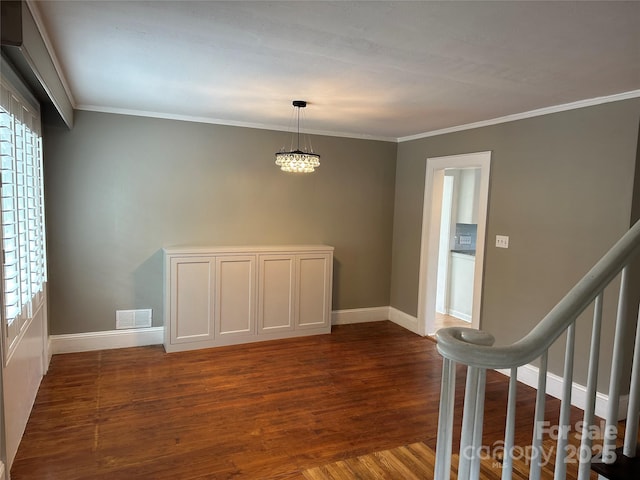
x=133, y=318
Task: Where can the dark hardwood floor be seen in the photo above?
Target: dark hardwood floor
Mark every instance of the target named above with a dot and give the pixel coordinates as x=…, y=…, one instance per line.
x=260, y=411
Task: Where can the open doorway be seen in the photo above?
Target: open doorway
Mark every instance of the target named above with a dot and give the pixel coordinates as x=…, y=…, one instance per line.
x=453, y=239
x=457, y=247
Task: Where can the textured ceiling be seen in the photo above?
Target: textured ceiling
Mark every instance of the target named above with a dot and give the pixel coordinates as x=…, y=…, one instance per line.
x=368, y=69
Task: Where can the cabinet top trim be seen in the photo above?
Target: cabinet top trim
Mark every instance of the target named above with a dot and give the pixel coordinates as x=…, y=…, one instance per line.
x=199, y=250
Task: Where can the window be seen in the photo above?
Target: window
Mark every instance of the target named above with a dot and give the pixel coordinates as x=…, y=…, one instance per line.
x=23, y=235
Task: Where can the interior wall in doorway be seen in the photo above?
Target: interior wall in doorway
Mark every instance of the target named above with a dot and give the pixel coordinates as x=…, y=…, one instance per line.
x=458, y=229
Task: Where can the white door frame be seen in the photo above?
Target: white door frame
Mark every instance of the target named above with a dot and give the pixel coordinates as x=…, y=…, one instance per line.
x=429, y=247
x=443, y=279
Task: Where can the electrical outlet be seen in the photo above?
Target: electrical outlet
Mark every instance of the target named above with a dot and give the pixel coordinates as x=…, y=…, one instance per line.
x=502, y=241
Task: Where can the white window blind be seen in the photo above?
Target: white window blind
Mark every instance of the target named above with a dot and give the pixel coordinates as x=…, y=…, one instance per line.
x=23, y=234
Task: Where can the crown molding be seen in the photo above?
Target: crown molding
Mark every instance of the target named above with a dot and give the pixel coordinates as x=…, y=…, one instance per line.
x=530, y=114
x=231, y=123
x=458, y=128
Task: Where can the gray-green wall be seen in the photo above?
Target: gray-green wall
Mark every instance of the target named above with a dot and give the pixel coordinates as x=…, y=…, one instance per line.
x=119, y=188
x=561, y=188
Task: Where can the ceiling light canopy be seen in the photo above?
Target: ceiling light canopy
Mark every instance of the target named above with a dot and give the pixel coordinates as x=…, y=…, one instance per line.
x=298, y=161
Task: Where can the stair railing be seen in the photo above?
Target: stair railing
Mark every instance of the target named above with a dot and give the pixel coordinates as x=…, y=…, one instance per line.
x=475, y=349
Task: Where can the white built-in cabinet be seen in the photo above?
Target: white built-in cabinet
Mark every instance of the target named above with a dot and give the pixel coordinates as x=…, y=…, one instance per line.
x=225, y=296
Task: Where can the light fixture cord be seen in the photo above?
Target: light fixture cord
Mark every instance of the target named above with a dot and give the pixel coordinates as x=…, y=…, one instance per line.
x=298, y=127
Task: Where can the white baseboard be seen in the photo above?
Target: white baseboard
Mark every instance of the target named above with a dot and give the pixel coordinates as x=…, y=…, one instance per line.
x=404, y=320
x=359, y=315
x=84, y=342
x=528, y=374
x=460, y=315
x=1, y=471
x=49, y=354
x=138, y=337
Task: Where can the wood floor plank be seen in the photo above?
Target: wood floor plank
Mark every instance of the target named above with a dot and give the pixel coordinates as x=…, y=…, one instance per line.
x=269, y=410
x=398, y=464
x=368, y=463
x=424, y=454
x=414, y=463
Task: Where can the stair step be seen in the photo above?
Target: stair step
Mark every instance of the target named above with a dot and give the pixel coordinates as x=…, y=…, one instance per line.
x=624, y=468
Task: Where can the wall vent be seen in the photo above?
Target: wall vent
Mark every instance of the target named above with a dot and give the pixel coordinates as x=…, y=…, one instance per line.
x=133, y=318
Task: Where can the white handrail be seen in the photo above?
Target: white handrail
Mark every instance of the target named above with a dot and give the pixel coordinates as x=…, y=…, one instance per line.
x=475, y=349
x=456, y=343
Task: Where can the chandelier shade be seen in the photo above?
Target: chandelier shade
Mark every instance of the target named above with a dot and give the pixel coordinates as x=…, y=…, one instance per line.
x=298, y=161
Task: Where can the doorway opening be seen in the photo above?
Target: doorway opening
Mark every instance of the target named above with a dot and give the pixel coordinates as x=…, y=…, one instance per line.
x=453, y=241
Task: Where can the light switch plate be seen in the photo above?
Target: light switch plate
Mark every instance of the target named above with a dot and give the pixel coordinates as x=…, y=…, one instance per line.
x=502, y=241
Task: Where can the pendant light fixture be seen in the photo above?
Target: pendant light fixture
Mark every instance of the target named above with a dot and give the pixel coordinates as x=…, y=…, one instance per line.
x=298, y=161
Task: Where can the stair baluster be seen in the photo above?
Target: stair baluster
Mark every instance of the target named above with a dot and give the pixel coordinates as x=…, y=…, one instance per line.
x=536, y=442
x=584, y=469
x=633, y=410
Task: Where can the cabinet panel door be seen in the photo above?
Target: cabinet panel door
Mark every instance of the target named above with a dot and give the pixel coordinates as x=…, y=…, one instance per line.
x=235, y=295
x=314, y=292
x=192, y=286
x=276, y=292
x=461, y=286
